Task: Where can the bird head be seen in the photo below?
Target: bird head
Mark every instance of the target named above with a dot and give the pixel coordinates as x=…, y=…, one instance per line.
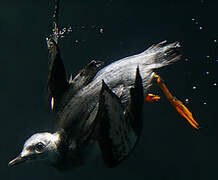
x=39, y=147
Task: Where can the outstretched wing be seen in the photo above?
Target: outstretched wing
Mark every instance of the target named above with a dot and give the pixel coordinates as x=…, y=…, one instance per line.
x=57, y=80
x=57, y=83
x=118, y=132
x=134, y=110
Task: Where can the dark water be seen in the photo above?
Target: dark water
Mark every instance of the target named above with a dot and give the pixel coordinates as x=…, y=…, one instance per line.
x=109, y=30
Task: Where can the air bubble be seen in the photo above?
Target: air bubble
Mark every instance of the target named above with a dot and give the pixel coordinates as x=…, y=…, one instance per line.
x=215, y=40
x=70, y=29
x=215, y=84
x=204, y=103
x=101, y=31
x=207, y=56
x=207, y=72
x=194, y=87
x=200, y=27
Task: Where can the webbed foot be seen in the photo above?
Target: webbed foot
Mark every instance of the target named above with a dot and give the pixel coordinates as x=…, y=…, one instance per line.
x=151, y=98
x=177, y=104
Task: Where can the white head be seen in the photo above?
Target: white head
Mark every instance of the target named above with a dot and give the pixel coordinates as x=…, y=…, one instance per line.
x=39, y=147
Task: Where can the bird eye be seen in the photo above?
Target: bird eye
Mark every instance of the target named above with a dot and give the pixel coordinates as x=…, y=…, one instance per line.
x=39, y=147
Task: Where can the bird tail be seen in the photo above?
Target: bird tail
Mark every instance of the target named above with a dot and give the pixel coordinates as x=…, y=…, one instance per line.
x=164, y=54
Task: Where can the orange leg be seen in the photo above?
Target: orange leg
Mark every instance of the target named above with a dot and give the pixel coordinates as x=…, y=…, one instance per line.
x=177, y=104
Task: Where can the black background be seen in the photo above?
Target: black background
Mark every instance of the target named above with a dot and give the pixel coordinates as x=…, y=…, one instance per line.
x=169, y=148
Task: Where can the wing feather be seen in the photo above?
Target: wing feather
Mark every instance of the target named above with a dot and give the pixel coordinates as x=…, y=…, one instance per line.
x=118, y=132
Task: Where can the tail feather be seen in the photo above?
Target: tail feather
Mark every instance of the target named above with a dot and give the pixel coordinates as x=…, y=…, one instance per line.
x=164, y=54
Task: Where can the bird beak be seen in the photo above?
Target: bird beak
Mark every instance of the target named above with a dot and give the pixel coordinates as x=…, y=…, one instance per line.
x=17, y=160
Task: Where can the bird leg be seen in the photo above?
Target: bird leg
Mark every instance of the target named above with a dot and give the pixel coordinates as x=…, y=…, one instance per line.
x=177, y=104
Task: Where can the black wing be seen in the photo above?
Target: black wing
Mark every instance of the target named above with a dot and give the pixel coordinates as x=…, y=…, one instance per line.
x=134, y=110
x=59, y=89
x=118, y=132
x=57, y=80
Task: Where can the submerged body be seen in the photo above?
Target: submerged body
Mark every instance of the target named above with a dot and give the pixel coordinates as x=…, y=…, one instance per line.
x=120, y=77
x=101, y=106
x=77, y=111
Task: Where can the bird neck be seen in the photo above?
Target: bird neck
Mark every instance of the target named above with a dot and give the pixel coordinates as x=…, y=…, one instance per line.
x=53, y=154
x=56, y=140
x=68, y=154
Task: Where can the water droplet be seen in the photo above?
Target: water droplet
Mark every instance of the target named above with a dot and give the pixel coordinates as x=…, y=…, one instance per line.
x=214, y=84
x=215, y=40
x=194, y=87
x=101, y=31
x=207, y=72
x=70, y=29
x=186, y=101
x=200, y=27
x=207, y=56
x=204, y=103
x=193, y=19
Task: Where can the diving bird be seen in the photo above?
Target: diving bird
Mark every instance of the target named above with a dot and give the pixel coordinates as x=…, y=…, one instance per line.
x=101, y=106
